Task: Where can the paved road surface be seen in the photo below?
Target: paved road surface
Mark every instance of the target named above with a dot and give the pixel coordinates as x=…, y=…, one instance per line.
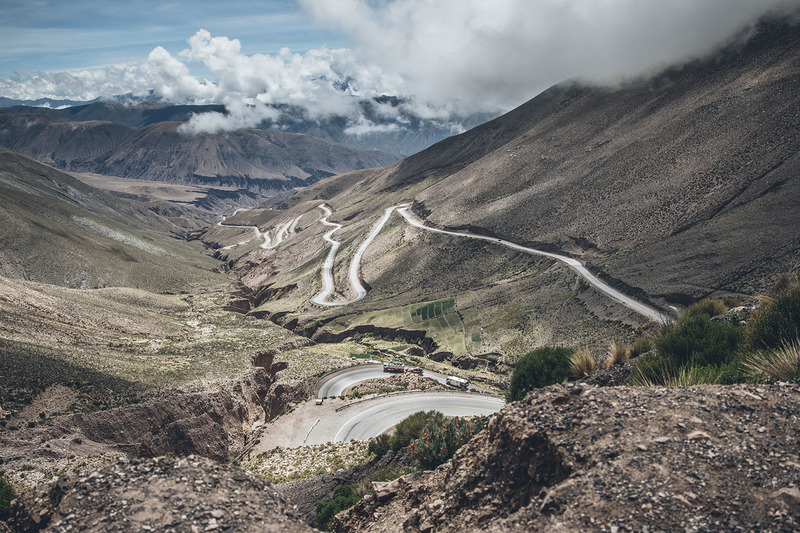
x=573, y=263
x=327, y=266
x=339, y=382
x=376, y=419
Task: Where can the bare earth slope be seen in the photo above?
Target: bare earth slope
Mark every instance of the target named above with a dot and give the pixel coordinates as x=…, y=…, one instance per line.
x=578, y=458
x=680, y=185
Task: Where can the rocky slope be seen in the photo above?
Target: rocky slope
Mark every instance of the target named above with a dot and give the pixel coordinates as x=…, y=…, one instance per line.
x=632, y=178
x=190, y=494
x=579, y=458
x=258, y=160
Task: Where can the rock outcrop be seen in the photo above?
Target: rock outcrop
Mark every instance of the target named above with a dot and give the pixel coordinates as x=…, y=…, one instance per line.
x=162, y=494
x=580, y=458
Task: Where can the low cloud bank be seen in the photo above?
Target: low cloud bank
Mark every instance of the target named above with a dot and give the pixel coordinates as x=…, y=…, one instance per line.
x=454, y=56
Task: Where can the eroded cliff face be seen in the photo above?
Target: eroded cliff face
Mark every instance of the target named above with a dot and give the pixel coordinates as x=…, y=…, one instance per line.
x=580, y=458
x=213, y=424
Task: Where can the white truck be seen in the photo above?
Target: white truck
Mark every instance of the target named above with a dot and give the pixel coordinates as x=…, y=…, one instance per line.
x=394, y=366
x=457, y=382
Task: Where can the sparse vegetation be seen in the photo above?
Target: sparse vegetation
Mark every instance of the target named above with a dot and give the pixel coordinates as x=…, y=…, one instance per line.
x=379, y=445
x=542, y=367
x=640, y=345
x=582, y=363
x=776, y=322
x=697, y=349
x=344, y=497
x=710, y=307
x=287, y=464
x=411, y=428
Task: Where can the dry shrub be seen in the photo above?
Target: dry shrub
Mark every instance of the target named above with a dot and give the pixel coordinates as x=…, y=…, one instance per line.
x=582, y=363
x=617, y=353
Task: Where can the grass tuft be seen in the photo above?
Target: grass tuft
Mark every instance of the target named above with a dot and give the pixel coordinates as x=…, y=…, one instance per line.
x=779, y=364
x=582, y=363
x=669, y=376
x=617, y=353
x=640, y=346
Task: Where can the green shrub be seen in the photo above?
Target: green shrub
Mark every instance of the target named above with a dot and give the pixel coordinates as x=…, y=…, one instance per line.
x=411, y=428
x=641, y=345
x=379, y=446
x=731, y=302
x=710, y=307
x=344, y=497
x=7, y=494
x=700, y=341
x=440, y=439
x=539, y=368
x=777, y=321
x=390, y=474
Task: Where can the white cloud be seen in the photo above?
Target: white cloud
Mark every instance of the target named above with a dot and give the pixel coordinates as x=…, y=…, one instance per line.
x=443, y=57
x=364, y=126
x=82, y=85
x=505, y=51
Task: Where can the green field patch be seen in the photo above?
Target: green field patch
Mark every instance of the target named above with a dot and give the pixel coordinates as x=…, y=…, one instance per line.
x=439, y=319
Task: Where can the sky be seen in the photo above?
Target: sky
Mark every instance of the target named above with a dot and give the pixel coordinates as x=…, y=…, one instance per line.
x=444, y=56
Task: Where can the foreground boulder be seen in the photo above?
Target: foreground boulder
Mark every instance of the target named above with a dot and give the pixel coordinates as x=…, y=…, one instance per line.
x=580, y=458
x=163, y=494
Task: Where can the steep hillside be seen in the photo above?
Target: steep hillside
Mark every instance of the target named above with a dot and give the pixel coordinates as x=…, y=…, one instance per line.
x=58, y=141
x=258, y=160
x=672, y=189
x=55, y=229
x=629, y=178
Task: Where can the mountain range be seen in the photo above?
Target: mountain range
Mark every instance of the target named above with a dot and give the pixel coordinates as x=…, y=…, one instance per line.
x=258, y=160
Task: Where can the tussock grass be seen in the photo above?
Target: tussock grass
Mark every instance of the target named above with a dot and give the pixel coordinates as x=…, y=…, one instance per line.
x=669, y=376
x=582, y=363
x=617, y=353
x=640, y=346
x=666, y=325
x=779, y=364
x=711, y=307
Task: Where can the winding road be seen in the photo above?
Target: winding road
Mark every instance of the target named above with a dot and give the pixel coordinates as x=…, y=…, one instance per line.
x=404, y=210
x=377, y=418
x=327, y=267
x=335, y=383
x=614, y=294
x=282, y=231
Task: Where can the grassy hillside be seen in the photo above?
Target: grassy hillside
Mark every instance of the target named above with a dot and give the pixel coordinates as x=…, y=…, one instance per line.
x=55, y=229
